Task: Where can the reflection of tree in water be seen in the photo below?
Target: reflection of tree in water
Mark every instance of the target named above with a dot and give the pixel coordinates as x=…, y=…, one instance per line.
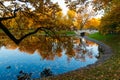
x=28, y=76
x=49, y=48
x=84, y=50
x=46, y=72
x=24, y=76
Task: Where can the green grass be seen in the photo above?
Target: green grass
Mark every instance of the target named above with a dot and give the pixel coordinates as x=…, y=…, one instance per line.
x=70, y=32
x=110, y=39
x=113, y=64
x=63, y=32
x=113, y=40
x=99, y=36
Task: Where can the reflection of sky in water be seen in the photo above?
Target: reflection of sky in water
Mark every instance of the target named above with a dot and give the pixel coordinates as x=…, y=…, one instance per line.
x=33, y=63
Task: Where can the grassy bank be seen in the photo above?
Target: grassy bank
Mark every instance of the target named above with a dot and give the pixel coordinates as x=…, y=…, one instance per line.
x=108, y=70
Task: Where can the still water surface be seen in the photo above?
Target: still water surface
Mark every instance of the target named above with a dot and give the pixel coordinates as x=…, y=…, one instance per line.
x=14, y=60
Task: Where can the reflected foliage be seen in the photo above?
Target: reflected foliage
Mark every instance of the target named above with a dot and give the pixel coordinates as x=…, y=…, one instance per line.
x=70, y=48
x=8, y=67
x=28, y=76
x=24, y=76
x=46, y=72
x=49, y=48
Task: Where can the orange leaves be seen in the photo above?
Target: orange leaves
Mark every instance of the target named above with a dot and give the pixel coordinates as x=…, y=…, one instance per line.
x=71, y=14
x=76, y=24
x=92, y=23
x=78, y=18
x=59, y=14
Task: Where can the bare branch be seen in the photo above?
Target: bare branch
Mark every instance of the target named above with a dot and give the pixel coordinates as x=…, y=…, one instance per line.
x=2, y=5
x=13, y=12
x=10, y=17
x=17, y=41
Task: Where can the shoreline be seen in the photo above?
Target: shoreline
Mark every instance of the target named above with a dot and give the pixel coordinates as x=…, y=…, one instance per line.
x=107, y=53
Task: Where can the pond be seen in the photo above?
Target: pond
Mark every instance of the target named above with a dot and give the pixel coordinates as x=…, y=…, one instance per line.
x=37, y=57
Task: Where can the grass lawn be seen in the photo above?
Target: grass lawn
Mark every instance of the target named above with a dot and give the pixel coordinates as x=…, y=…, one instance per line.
x=108, y=70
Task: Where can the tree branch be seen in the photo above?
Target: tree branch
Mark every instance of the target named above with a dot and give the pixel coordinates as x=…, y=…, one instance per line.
x=10, y=17
x=10, y=10
x=17, y=41
x=40, y=28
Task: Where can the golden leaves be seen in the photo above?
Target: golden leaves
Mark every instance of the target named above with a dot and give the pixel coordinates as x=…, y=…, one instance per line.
x=71, y=14
x=93, y=23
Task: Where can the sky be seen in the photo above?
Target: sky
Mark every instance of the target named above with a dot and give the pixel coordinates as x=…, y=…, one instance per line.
x=65, y=9
x=60, y=2
x=62, y=5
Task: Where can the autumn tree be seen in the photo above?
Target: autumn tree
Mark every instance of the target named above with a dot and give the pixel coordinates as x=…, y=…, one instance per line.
x=86, y=9
x=110, y=22
x=93, y=23
x=44, y=15
x=70, y=17
x=38, y=14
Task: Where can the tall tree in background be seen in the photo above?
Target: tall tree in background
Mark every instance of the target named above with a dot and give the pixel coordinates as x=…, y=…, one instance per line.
x=93, y=23
x=86, y=9
x=110, y=22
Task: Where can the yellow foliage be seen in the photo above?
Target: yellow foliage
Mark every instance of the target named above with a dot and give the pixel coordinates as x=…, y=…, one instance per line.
x=76, y=24
x=78, y=18
x=59, y=14
x=30, y=23
x=71, y=13
x=13, y=23
x=92, y=23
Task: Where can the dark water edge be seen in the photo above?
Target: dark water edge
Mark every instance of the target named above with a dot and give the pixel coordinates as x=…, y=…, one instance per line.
x=9, y=68
x=107, y=54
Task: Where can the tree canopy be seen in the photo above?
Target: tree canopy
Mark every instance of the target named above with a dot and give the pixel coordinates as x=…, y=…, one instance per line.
x=46, y=16
x=23, y=14
x=86, y=9
x=110, y=22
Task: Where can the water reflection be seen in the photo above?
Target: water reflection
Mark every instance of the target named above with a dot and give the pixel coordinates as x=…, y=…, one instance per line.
x=46, y=72
x=24, y=76
x=36, y=56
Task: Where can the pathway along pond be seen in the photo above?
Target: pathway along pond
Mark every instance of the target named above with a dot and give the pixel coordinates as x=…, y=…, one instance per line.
x=37, y=57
